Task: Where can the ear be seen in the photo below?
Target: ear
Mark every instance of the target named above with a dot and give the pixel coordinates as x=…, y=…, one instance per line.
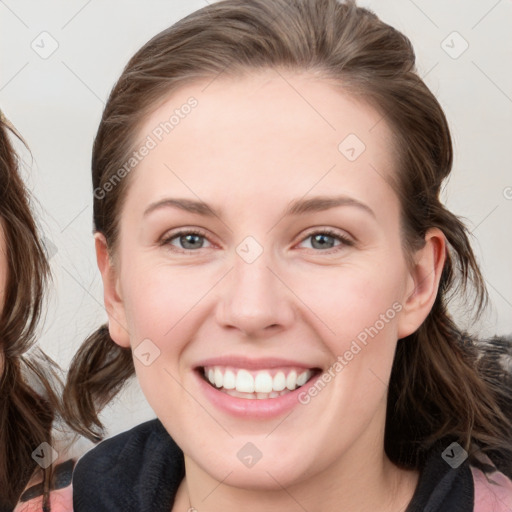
x=424, y=282
x=114, y=305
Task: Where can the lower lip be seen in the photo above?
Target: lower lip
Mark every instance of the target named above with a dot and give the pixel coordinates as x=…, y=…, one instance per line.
x=254, y=408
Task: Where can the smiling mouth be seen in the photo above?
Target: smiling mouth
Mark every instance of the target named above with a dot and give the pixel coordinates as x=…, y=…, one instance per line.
x=256, y=385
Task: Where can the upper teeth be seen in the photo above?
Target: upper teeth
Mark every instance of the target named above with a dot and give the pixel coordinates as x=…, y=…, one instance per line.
x=261, y=381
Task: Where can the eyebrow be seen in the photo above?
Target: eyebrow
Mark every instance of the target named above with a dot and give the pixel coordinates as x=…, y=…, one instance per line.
x=296, y=207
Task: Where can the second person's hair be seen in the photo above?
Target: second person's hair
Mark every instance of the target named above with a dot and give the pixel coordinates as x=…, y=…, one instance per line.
x=25, y=415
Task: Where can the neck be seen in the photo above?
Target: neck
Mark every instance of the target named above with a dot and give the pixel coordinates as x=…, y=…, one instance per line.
x=357, y=483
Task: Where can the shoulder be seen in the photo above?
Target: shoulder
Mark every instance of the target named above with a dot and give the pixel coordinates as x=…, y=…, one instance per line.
x=493, y=490
x=61, y=501
x=60, y=495
x=123, y=447
x=449, y=481
x=445, y=481
x=127, y=471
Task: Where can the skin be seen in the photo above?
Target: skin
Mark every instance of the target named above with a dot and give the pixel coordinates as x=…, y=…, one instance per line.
x=252, y=146
x=61, y=501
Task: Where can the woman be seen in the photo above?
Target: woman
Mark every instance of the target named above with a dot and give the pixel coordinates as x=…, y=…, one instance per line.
x=27, y=396
x=276, y=267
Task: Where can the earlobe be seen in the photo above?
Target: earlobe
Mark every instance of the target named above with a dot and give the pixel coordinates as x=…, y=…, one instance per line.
x=425, y=277
x=112, y=298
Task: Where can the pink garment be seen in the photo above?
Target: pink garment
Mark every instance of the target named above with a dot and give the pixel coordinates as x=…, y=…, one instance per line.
x=493, y=492
x=60, y=500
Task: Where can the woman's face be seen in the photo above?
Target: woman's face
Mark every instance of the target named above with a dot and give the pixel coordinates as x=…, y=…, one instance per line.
x=297, y=273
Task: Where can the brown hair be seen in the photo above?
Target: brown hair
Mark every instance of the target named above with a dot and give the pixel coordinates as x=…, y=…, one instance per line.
x=25, y=416
x=435, y=391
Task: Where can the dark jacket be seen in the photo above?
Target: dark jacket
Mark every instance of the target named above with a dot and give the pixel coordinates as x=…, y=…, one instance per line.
x=140, y=471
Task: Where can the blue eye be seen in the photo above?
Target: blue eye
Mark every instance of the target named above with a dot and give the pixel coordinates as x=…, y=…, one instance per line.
x=325, y=239
x=187, y=241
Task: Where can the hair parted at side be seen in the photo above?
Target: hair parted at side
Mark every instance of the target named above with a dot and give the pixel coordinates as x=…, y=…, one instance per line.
x=436, y=388
x=25, y=416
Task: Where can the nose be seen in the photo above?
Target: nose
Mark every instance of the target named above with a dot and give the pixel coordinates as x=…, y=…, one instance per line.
x=254, y=299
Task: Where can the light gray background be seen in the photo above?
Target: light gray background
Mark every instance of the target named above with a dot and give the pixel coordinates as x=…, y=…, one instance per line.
x=56, y=103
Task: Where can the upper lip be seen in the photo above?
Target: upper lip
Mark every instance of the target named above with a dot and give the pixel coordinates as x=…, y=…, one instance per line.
x=253, y=363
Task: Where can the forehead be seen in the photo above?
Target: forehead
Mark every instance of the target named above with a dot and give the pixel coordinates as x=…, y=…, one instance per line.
x=262, y=132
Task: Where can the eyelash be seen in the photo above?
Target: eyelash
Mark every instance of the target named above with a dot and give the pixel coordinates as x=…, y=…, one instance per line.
x=345, y=241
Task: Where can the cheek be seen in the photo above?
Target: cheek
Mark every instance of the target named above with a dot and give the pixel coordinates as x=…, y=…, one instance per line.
x=343, y=303
x=350, y=300
x=159, y=297
x=358, y=311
